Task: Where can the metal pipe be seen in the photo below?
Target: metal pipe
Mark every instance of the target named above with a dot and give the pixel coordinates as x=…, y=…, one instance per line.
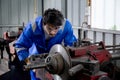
x=112, y=46
x=2, y=26
x=34, y=66
x=75, y=69
x=113, y=49
x=115, y=56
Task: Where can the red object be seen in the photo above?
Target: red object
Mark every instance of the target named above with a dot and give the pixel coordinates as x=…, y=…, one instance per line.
x=98, y=51
x=92, y=77
x=92, y=52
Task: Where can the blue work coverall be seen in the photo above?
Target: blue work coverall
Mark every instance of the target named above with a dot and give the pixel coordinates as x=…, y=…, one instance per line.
x=33, y=37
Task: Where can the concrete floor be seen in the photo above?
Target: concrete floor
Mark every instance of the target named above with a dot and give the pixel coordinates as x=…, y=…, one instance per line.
x=4, y=64
x=11, y=74
x=4, y=70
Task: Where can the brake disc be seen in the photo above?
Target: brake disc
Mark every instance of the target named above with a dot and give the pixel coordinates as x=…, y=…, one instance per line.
x=60, y=57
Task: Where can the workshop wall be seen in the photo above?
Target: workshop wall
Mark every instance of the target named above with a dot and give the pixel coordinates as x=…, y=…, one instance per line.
x=13, y=13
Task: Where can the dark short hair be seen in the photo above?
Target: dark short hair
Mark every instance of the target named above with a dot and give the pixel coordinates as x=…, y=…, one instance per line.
x=53, y=16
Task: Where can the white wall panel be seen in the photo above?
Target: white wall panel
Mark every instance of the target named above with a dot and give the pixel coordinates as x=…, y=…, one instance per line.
x=14, y=12
x=24, y=11
x=82, y=8
x=70, y=10
x=99, y=37
x=118, y=39
x=39, y=3
x=64, y=7
x=30, y=4
x=0, y=13
x=91, y=35
x=75, y=31
x=4, y=12
x=75, y=12
x=52, y=4
x=108, y=39
x=117, y=22
x=49, y=4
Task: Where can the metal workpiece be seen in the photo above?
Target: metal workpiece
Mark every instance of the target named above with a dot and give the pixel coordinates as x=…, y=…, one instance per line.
x=75, y=63
x=75, y=69
x=115, y=56
x=36, y=61
x=90, y=67
x=66, y=58
x=55, y=63
x=63, y=51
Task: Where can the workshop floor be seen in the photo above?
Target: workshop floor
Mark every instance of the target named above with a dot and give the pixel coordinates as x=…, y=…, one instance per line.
x=4, y=64
x=4, y=70
x=7, y=74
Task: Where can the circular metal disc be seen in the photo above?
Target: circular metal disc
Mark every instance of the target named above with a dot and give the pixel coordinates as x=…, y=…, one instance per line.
x=61, y=49
x=67, y=61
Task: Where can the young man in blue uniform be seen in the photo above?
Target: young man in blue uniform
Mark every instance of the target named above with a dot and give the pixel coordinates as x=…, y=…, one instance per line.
x=46, y=31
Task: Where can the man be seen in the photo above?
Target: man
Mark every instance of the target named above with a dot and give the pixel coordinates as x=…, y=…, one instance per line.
x=46, y=31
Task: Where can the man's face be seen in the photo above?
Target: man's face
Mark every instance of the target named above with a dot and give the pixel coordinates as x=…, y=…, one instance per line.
x=51, y=30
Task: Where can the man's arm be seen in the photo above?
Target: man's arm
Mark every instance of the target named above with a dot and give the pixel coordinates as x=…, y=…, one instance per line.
x=69, y=37
x=24, y=42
